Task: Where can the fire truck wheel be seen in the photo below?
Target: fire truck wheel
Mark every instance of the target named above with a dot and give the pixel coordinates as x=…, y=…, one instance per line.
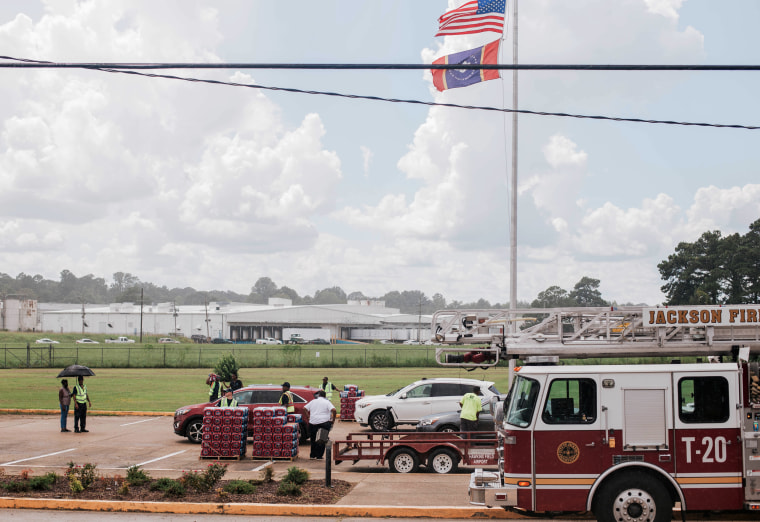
x=633, y=497
x=380, y=421
x=404, y=461
x=443, y=461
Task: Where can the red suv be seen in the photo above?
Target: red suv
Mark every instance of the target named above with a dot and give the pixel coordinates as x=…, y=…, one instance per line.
x=188, y=420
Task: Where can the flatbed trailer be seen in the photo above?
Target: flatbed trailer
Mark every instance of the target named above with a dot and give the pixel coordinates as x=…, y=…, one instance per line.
x=406, y=451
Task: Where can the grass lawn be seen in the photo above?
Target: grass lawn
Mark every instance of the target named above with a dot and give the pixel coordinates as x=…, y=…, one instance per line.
x=116, y=389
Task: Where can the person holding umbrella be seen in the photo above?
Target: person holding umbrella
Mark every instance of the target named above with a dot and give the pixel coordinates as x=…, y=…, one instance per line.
x=81, y=400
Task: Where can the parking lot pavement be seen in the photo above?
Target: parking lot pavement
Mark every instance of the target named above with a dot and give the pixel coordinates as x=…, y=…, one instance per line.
x=116, y=442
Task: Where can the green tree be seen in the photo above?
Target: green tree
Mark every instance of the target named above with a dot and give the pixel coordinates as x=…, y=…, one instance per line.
x=586, y=293
x=553, y=297
x=692, y=274
x=262, y=290
x=334, y=295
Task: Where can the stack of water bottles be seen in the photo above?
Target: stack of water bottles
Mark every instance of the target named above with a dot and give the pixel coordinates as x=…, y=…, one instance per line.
x=225, y=432
x=275, y=433
x=348, y=397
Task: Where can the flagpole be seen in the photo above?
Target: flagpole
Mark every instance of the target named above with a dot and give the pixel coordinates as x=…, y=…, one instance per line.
x=513, y=199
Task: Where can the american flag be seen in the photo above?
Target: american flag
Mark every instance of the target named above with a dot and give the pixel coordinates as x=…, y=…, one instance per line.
x=476, y=16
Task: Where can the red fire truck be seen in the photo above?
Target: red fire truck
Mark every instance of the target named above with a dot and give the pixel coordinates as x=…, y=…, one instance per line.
x=626, y=442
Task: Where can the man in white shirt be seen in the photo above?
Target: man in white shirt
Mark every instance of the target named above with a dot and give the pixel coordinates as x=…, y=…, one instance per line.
x=319, y=413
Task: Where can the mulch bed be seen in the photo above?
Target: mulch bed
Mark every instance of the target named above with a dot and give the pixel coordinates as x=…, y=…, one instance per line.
x=107, y=488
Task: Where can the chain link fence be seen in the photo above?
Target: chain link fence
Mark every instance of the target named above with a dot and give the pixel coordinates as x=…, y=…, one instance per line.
x=206, y=356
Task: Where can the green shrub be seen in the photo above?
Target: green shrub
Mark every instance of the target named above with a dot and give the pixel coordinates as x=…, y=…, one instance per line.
x=206, y=480
x=289, y=488
x=17, y=486
x=170, y=487
x=240, y=487
x=85, y=475
x=137, y=476
x=43, y=483
x=296, y=475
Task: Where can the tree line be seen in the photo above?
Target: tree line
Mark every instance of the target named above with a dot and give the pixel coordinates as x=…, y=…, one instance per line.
x=712, y=270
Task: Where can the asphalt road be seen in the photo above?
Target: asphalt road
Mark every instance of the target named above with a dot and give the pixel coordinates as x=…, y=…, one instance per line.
x=115, y=443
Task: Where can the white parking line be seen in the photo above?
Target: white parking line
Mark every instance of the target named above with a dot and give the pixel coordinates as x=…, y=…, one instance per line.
x=160, y=458
x=38, y=457
x=138, y=422
x=262, y=466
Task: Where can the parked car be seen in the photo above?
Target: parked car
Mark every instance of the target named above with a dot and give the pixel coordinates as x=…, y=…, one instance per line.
x=219, y=340
x=168, y=340
x=449, y=421
x=411, y=341
x=319, y=341
x=188, y=420
x=198, y=338
x=86, y=341
x=414, y=401
x=268, y=340
x=45, y=340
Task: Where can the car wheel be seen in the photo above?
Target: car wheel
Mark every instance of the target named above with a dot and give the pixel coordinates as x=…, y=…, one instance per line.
x=447, y=428
x=404, y=461
x=443, y=461
x=380, y=421
x=194, y=431
x=633, y=497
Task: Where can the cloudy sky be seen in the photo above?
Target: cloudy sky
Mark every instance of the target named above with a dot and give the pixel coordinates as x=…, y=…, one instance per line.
x=188, y=184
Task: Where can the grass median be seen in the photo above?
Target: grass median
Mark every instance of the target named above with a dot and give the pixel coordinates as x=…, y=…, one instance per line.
x=164, y=390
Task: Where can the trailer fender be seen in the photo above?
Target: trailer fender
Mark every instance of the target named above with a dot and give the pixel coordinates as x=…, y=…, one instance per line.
x=631, y=466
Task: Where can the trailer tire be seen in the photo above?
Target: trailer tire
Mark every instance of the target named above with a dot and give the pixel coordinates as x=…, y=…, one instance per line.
x=404, y=461
x=443, y=460
x=380, y=420
x=633, y=497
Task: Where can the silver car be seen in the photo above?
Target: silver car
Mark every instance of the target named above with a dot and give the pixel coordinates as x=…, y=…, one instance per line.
x=450, y=422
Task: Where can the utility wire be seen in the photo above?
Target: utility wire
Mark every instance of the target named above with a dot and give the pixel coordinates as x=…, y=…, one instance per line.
x=133, y=69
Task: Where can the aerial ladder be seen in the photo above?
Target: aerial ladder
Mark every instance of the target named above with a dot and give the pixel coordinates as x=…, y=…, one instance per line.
x=481, y=338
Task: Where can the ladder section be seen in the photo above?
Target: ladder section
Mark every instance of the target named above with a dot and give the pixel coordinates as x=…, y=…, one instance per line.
x=592, y=332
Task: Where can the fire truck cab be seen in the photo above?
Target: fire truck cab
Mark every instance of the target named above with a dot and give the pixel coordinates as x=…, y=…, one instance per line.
x=626, y=441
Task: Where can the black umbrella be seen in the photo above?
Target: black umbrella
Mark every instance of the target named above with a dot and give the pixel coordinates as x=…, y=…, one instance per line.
x=75, y=370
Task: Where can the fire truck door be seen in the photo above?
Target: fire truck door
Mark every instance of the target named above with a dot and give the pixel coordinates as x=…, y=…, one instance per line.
x=708, y=445
x=569, y=444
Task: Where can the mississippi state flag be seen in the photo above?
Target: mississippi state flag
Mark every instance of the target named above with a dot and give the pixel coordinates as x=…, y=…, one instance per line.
x=452, y=78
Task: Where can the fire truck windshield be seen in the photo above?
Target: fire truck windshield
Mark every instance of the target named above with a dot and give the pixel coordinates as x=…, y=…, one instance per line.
x=522, y=403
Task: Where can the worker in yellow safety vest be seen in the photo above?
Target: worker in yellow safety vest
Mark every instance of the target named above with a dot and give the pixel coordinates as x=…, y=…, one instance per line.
x=328, y=388
x=471, y=408
x=81, y=399
x=286, y=399
x=227, y=401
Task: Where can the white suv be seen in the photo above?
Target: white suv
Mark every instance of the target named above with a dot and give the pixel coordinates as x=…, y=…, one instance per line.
x=410, y=403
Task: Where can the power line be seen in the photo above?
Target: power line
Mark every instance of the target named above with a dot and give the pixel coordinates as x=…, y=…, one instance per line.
x=133, y=69
x=37, y=64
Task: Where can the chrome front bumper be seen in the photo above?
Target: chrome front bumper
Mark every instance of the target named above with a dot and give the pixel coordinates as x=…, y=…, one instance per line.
x=486, y=489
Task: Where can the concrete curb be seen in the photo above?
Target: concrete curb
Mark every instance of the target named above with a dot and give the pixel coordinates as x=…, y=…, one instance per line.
x=307, y=510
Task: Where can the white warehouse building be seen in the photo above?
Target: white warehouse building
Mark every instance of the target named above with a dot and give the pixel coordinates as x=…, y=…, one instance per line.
x=355, y=321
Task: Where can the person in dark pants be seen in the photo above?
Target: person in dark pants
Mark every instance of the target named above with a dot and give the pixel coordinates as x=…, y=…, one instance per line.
x=64, y=399
x=319, y=414
x=81, y=400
